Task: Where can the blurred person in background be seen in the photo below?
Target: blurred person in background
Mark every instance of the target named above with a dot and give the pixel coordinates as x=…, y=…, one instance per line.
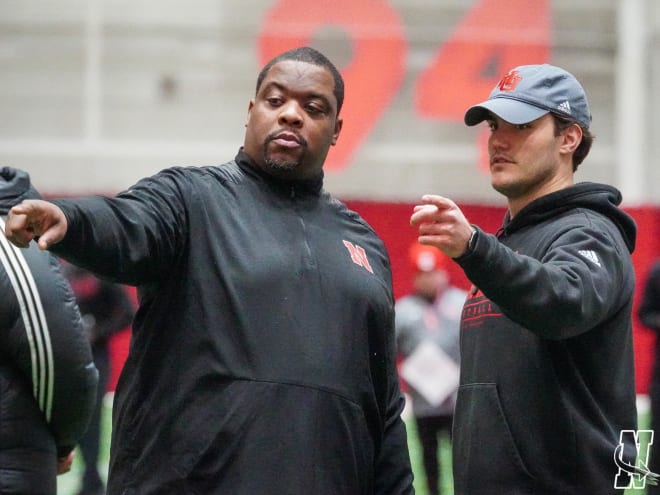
x=649, y=315
x=547, y=388
x=47, y=378
x=106, y=309
x=263, y=354
x=427, y=333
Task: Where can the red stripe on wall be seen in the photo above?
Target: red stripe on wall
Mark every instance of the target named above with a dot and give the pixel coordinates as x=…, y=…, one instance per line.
x=391, y=221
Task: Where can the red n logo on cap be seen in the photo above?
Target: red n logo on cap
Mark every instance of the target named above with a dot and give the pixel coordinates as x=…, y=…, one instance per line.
x=510, y=81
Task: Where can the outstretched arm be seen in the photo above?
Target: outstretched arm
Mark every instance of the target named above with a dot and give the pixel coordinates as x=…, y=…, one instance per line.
x=35, y=219
x=442, y=224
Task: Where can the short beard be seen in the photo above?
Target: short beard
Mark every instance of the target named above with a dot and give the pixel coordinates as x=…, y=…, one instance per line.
x=281, y=166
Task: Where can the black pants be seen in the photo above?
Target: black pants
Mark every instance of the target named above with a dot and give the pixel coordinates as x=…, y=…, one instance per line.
x=428, y=430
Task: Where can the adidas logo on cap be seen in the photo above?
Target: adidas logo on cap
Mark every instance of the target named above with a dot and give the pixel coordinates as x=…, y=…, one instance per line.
x=564, y=107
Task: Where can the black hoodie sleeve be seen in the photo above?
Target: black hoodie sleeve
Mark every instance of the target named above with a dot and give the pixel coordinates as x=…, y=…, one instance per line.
x=559, y=280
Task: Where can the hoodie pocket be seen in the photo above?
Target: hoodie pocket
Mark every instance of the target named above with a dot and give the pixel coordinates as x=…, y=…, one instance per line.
x=485, y=452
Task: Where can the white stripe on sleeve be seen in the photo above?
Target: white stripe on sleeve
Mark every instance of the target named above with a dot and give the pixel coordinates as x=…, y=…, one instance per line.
x=34, y=319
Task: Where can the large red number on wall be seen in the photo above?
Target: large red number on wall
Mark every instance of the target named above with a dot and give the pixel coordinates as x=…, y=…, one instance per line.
x=494, y=36
x=374, y=74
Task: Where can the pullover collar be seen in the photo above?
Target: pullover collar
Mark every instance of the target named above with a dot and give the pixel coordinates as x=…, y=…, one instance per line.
x=295, y=188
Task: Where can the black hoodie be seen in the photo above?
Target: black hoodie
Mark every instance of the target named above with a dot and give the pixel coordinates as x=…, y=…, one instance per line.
x=547, y=376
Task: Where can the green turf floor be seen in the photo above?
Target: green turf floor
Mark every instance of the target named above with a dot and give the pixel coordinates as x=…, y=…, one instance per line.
x=68, y=483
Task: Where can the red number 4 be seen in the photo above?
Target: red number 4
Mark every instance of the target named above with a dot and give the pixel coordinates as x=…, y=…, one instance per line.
x=494, y=36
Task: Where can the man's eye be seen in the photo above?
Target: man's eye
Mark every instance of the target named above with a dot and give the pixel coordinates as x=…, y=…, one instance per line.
x=314, y=110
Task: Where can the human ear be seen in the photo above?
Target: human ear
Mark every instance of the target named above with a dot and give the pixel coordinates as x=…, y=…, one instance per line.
x=571, y=138
x=250, y=107
x=338, y=125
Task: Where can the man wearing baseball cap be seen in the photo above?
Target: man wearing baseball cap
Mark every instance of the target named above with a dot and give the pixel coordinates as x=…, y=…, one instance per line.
x=546, y=403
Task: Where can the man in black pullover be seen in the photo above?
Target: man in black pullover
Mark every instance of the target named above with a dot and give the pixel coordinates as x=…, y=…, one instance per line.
x=262, y=358
x=546, y=403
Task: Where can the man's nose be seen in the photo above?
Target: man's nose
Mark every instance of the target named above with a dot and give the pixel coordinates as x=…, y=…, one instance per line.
x=498, y=138
x=291, y=114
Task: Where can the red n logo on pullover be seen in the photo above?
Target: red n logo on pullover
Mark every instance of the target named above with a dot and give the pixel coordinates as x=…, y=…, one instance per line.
x=358, y=255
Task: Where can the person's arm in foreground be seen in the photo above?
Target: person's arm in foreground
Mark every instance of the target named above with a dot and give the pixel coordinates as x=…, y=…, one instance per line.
x=47, y=345
x=75, y=378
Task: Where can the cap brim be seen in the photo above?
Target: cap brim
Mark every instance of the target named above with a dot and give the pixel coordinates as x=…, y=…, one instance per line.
x=510, y=110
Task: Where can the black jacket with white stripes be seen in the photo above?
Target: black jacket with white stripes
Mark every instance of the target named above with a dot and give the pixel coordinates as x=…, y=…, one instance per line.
x=47, y=377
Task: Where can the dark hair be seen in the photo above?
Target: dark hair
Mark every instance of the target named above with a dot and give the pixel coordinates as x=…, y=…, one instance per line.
x=310, y=56
x=581, y=152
